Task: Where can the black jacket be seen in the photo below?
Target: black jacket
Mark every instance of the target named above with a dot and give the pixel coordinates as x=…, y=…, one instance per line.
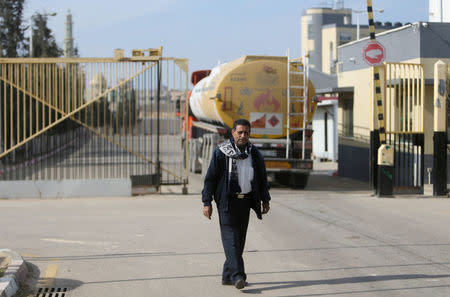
x=216, y=180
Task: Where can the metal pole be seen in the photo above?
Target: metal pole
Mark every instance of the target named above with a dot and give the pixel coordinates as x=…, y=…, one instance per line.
x=288, y=123
x=305, y=101
x=158, y=98
x=357, y=26
x=186, y=130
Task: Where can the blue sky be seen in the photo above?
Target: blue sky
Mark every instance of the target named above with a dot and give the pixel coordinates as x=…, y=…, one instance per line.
x=204, y=31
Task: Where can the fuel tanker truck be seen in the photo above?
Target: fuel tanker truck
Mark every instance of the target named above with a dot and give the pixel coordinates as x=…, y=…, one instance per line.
x=277, y=100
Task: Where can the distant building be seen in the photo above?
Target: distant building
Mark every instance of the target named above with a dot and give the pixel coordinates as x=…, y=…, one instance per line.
x=439, y=11
x=324, y=29
x=312, y=21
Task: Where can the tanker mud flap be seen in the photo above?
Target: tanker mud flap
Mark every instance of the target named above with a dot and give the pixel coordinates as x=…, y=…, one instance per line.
x=292, y=173
x=294, y=179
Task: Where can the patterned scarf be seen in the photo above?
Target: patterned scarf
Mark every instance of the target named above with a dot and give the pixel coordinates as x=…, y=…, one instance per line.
x=230, y=150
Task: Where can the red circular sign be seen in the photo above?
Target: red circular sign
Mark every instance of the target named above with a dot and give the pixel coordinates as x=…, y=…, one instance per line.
x=374, y=53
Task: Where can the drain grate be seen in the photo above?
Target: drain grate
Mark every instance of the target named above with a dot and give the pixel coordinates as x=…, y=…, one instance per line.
x=52, y=292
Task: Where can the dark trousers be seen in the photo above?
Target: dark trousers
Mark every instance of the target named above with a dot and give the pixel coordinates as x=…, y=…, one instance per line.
x=233, y=229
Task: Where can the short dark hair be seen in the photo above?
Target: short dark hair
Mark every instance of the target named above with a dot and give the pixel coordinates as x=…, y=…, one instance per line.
x=242, y=122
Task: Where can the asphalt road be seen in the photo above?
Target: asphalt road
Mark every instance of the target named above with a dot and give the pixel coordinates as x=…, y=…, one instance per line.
x=332, y=239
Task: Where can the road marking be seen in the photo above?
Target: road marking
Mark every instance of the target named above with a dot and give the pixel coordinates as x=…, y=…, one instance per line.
x=81, y=242
x=49, y=276
x=64, y=241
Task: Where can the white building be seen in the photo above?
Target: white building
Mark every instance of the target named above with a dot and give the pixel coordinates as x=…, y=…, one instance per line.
x=439, y=11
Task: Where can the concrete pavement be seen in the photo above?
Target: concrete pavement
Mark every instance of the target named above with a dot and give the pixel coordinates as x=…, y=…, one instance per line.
x=16, y=271
x=333, y=239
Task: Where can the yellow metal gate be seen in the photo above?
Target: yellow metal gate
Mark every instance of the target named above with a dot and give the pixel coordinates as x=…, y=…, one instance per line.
x=404, y=114
x=91, y=118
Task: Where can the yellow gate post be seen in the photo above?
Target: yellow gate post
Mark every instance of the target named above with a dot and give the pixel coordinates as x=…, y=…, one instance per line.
x=440, y=130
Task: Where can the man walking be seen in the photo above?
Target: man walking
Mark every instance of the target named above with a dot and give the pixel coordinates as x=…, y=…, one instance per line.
x=237, y=181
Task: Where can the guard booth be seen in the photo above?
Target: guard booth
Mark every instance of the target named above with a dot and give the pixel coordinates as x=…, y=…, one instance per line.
x=404, y=91
x=92, y=126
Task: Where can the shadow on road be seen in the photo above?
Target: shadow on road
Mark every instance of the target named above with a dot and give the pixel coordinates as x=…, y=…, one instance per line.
x=336, y=183
x=345, y=280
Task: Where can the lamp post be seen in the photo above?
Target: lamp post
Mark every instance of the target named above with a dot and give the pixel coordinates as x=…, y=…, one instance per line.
x=358, y=12
x=31, y=30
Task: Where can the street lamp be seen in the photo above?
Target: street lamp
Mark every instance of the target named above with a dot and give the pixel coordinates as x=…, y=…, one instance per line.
x=358, y=12
x=31, y=28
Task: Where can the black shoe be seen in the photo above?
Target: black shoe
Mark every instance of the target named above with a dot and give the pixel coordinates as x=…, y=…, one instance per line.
x=226, y=283
x=240, y=283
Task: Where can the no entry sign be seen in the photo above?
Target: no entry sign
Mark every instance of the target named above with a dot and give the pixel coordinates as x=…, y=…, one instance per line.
x=374, y=53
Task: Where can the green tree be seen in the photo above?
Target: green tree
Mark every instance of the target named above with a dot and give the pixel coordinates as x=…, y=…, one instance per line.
x=12, y=40
x=44, y=44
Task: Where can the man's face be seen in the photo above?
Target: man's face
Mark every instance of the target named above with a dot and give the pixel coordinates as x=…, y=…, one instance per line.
x=241, y=135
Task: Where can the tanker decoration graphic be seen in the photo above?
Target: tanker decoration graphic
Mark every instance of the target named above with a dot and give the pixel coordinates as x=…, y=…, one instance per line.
x=269, y=69
x=267, y=77
x=240, y=109
x=266, y=123
x=246, y=92
x=263, y=102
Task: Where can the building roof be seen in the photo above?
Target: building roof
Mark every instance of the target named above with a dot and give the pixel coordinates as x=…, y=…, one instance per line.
x=413, y=41
x=325, y=83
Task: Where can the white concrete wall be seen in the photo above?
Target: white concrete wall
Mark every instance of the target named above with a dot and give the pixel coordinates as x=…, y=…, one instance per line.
x=66, y=188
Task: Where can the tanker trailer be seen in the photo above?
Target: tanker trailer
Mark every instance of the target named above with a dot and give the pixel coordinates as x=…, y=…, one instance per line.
x=256, y=88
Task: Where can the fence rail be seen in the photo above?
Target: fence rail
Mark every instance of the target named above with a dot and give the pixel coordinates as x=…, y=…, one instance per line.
x=405, y=93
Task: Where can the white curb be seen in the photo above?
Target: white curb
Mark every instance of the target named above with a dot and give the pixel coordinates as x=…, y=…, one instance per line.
x=14, y=275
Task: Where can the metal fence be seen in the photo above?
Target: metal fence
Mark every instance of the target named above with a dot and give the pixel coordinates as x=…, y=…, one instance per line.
x=405, y=92
x=89, y=118
x=404, y=114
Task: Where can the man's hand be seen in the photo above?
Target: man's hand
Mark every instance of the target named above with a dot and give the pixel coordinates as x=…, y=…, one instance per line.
x=266, y=207
x=207, y=211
